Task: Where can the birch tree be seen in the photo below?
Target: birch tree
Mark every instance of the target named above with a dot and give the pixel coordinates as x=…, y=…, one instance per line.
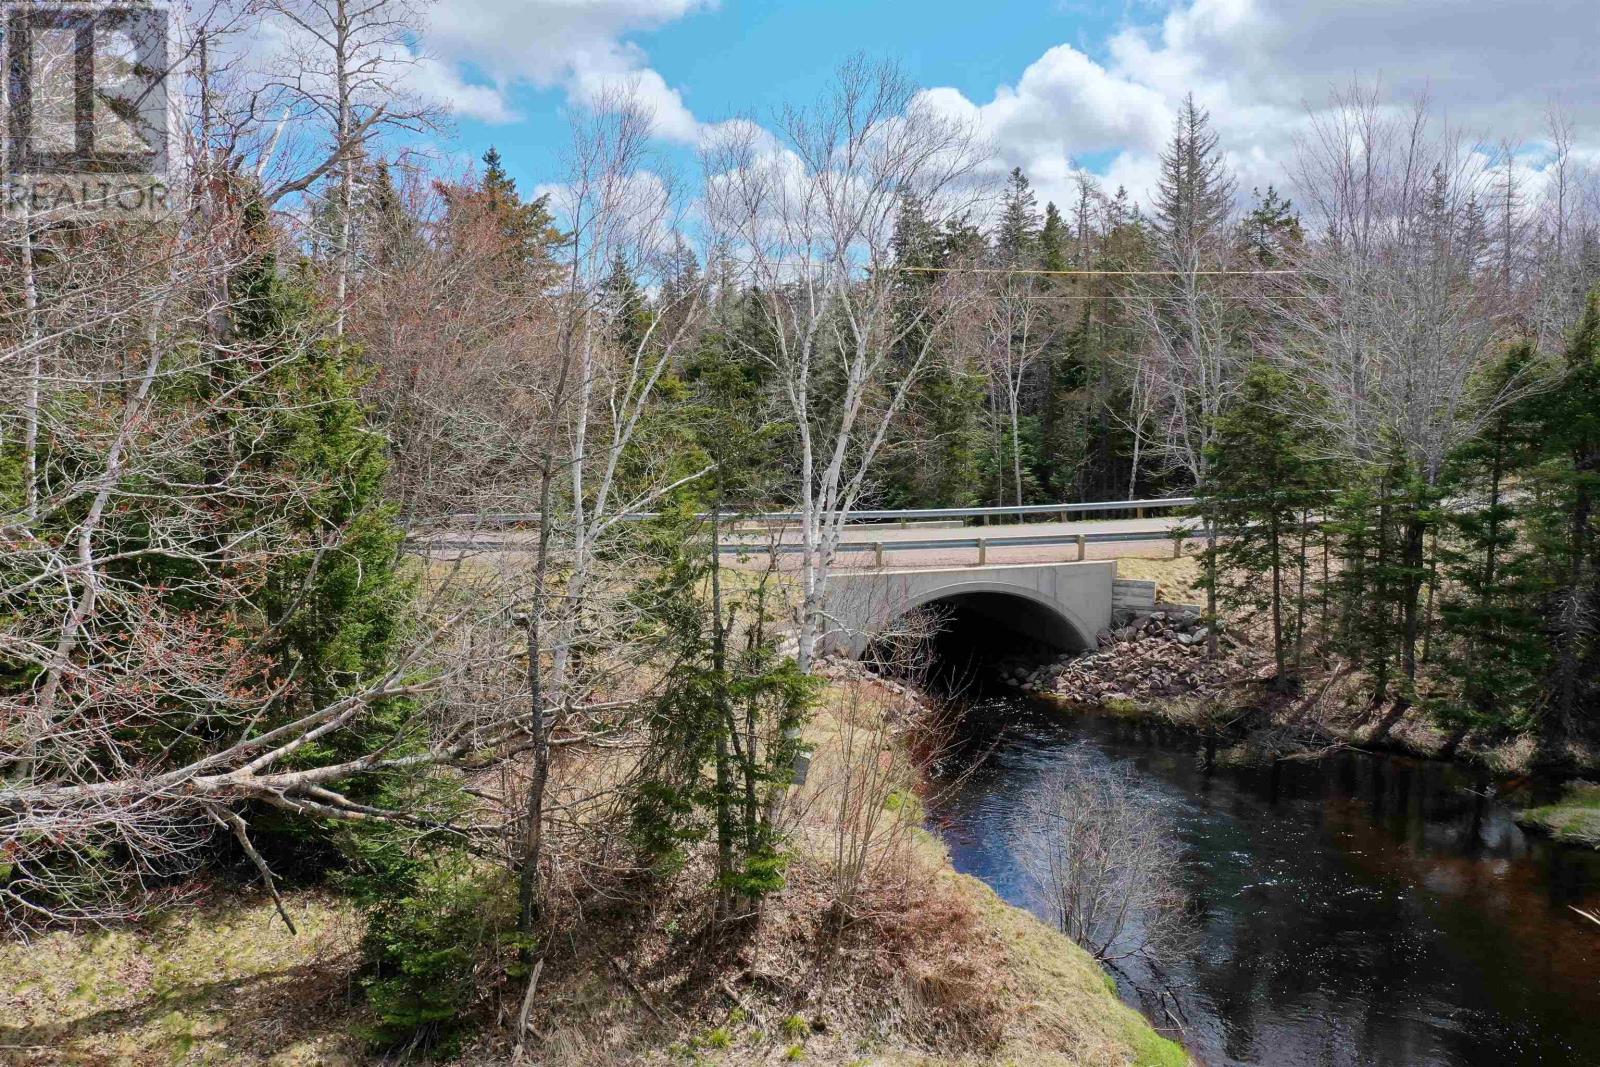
x=807, y=216
x=1391, y=319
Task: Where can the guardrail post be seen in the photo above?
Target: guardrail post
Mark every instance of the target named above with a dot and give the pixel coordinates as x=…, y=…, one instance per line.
x=983, y=551
x=877, y=553
x=1138, y=513
x=1066, y=516
x=1082, y=543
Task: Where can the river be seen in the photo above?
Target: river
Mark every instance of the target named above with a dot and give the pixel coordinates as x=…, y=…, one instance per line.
x=1360, y=909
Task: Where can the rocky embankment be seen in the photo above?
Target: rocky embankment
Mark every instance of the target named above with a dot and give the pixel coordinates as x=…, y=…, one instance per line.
x=1148, y=656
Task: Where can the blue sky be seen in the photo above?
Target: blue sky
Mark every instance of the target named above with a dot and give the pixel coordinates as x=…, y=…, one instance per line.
x=1053, y=84
x=754, y=56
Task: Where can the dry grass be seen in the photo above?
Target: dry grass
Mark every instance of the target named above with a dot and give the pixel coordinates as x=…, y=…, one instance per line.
x=1177, y=580
x=226, y=984
x=925, y=967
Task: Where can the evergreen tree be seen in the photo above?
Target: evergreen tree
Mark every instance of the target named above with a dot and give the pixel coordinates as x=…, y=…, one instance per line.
x=1271, y=232
x=1194, y=194
x=1264, y=483
x=936, y=446
x=1052, y=240
x=1567, y=530
x=724, y=730
x=1017, y=234
x=1490, y=611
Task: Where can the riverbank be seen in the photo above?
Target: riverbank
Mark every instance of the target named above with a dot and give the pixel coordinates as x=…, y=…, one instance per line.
x=925, y=966
x=1152, y=664
x=1573, y=818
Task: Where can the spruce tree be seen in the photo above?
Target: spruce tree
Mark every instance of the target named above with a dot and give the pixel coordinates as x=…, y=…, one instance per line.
x=1194, y=194
x=1264, y=482
x=1567, y=528
x=1490, y=614
x=1017, y=234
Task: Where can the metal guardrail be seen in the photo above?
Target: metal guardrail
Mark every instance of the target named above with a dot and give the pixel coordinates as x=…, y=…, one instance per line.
x=880, y=549
x=874, y=515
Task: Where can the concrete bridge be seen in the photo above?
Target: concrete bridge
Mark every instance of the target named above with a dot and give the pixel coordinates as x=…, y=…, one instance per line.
x=1063, y=605
x=1047, y=572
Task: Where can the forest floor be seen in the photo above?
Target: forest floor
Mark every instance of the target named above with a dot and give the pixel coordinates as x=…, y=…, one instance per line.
x=928, y=968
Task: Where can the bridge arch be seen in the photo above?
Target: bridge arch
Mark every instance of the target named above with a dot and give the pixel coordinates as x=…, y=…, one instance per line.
x=1012, y=607
x=1063, y=605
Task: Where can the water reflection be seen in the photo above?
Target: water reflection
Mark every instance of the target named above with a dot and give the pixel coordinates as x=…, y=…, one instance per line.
x=1357, y=910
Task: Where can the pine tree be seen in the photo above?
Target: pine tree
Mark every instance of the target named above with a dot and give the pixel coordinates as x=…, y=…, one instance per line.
x=1264, y=483
x=1194, y=195
x=1271, y=232
x=1052, y=240
x=937, y=444
x=1017, y=234
x=1567, y=529
x=1490, y=612
x=523, y=233
x=724, y=730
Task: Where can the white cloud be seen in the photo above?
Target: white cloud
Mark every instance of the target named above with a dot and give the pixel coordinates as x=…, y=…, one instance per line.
x=439, y=82
x=1258, y=64
x=575, y=45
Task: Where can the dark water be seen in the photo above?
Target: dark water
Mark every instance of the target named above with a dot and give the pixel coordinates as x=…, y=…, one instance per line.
x=1357, y=910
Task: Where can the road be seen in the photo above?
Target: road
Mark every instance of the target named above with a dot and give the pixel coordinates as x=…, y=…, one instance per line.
x=1158, y=530
x=925, y=538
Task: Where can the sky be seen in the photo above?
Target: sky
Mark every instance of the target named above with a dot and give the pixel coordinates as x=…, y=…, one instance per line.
x=1052, y=84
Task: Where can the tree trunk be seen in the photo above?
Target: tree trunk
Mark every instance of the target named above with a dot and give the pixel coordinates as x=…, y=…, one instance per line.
x=1274, y=532
x=719, y=669
x=529, y=902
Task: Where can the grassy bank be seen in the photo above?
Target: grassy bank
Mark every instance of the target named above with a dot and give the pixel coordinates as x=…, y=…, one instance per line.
x=1574, y=818
x=224, y=983
x=923, y=967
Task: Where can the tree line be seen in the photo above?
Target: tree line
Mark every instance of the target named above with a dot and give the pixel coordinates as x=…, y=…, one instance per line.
x=232, y=441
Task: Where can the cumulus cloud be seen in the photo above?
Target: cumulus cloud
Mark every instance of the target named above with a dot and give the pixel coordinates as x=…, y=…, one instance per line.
x=575, y=45
x=1262, y=67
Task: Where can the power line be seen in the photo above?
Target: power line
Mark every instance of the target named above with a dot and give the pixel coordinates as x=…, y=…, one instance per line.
x=1102, y=273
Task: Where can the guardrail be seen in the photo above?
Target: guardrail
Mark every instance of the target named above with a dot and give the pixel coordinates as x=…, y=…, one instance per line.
x=880, y=549
x=866, y=515
x=1178, y=536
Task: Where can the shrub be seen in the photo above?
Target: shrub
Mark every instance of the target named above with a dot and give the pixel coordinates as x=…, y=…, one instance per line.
x=424, y=949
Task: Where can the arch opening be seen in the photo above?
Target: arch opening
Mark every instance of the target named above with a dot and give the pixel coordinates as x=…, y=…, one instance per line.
x=976, y=636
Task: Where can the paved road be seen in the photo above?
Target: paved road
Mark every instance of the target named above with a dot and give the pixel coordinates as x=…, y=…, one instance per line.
x=1158, y=529
x=519, y=541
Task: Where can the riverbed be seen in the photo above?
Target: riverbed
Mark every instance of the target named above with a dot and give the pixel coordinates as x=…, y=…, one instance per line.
x=1359, y=909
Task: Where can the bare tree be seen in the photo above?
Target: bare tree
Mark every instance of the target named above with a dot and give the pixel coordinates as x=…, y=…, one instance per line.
x=806, y=221
x=1391, y=318
x=1018, y=329
x=1101, y=860
x=343, y=73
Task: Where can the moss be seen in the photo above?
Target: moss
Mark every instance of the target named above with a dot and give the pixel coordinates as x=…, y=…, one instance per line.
x=1574, y=818
x=1122, y=706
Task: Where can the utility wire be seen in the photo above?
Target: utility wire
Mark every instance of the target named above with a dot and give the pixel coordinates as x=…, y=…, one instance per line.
x=1136, y=273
